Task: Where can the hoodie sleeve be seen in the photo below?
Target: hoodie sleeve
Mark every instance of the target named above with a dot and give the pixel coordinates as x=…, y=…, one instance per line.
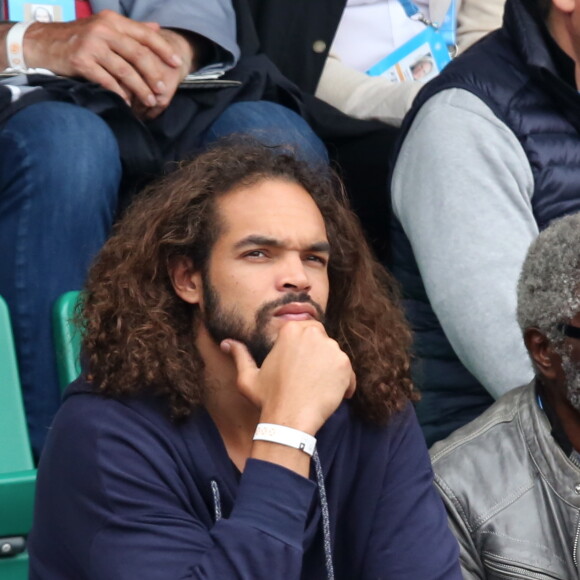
x=410, y=537
x=118, y=500
x=263, y=533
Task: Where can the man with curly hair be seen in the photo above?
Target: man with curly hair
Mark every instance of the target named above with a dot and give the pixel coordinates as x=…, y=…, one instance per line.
x=75, y=146
x=511, y=478
x=245, y=408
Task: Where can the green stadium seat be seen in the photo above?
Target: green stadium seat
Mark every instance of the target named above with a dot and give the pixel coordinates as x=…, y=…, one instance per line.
x=67, y=338
x=17, y=472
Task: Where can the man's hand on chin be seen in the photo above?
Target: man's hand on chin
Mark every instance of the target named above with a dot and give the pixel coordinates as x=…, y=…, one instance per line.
x=301, y=382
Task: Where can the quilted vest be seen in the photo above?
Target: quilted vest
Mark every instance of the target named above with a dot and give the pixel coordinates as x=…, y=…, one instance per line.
x=513, y=72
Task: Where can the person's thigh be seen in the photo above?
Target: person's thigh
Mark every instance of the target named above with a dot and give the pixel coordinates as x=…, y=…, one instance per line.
x=59, y=178
x=270, y=123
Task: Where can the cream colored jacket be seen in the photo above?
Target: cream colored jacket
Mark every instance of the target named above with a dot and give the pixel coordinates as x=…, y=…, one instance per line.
x=364, y=97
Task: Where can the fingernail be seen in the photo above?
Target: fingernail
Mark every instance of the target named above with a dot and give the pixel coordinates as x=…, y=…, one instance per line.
x=176, y=59
x=161, y=88
x=225, y=346
x=151, y=101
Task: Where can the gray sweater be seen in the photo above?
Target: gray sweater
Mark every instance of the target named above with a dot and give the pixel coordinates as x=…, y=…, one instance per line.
x=462, y=190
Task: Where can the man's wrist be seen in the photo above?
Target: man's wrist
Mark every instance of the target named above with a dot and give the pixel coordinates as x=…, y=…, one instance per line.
x=15, y=46
x=288, y=457
x=302, y=420
x=283, y=435
x=35, y=45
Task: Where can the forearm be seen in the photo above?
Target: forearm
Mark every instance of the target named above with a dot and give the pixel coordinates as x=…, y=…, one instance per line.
x=263, y=533
x=154, y=497
x=38, y=48
x=364, y=97
x=475, y=19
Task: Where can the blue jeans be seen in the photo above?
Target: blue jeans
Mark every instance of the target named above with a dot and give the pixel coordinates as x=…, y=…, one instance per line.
x=271, y=124
x=59, y=178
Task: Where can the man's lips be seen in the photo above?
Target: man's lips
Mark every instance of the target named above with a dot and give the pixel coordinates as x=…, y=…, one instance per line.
x=297, y=311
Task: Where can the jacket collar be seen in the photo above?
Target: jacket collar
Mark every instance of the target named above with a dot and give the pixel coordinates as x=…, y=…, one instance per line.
x=553, y=464
x=529, y=35
x=558, y=432
x=546, y=62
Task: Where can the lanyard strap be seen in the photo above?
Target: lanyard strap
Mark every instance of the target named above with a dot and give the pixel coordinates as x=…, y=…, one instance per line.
x=447, y=28
x=414, y=13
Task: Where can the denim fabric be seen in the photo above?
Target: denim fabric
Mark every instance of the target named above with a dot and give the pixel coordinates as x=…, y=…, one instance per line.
x=59, y=178
x=271, y=124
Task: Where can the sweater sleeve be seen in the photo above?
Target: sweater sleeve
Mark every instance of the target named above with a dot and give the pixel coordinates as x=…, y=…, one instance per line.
x=212, y=19
x=365, y=97
x=150, y=537
x=462, y=189
x=410, y=536
x=475, y=19
x=121, y=500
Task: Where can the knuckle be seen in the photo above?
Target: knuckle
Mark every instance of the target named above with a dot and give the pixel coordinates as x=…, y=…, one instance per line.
x=314, y=329
x=123, y=71
x=97, y=28
x=141, y=52
x=343, y=360
x=106, y=15
x=291, y=328
x=242, y=380
x=80, y=61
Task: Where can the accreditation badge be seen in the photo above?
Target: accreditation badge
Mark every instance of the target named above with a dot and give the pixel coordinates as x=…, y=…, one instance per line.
x=42, y=11
x=419, y=59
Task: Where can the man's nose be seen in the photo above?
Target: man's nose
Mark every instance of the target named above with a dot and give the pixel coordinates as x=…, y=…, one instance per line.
x=293, y=275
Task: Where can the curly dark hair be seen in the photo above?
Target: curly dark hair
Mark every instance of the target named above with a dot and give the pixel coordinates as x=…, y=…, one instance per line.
x=138, y=334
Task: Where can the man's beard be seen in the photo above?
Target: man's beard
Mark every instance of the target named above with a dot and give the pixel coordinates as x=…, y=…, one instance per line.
x=222, y=323
x=572, y=373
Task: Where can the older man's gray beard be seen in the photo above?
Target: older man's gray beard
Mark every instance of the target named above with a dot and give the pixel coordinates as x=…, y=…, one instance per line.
x=572, y=374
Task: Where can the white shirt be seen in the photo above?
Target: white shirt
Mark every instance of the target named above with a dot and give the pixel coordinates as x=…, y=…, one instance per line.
x=369, y=30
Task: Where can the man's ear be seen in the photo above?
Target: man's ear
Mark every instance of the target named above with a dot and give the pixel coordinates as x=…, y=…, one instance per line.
x=547, y=361
x=186, y=280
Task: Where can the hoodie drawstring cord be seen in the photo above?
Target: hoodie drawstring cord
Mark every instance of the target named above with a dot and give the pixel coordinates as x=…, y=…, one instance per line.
x=217, y=502
x=217, y=509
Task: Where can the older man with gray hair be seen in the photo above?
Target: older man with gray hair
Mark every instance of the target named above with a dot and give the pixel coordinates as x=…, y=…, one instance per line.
x=511, y=478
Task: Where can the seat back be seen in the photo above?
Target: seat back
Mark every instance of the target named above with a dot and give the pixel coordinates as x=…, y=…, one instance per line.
x=67, y=338
x=17, y=473
x=15, y=452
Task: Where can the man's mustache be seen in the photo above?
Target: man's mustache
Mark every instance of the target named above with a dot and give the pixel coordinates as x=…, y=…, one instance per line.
x=301, y=297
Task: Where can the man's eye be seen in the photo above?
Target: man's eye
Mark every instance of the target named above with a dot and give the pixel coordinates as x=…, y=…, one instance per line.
x=255, y=254
x=315, y=258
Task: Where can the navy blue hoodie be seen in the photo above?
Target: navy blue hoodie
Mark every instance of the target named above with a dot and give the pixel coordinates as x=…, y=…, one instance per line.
x=124, y=493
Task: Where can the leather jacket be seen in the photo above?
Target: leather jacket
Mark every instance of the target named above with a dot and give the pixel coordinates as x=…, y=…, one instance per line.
x=511, y=493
